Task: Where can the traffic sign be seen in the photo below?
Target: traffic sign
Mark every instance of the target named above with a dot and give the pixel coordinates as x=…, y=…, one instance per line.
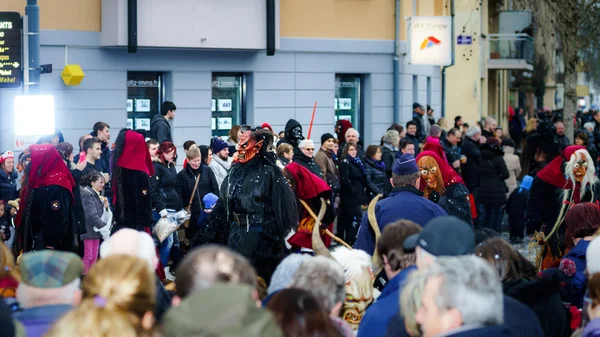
x=10, y=50
x=464, y=39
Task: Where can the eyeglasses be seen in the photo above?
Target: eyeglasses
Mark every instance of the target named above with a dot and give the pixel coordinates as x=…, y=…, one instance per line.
x=309, y=149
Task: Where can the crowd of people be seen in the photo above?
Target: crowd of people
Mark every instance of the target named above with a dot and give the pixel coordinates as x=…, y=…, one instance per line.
x=266, y=234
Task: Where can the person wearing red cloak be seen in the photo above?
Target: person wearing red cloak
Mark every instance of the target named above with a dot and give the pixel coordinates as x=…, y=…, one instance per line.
x=568, y=180
x=442, y=185
x=310, y=189
x=46, y=201
x=132, y=167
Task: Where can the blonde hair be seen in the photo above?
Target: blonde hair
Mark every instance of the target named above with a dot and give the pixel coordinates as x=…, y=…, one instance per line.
x=531, y=122
x=410, y=301
x=192, y=152
x=117, y=293
x=7, y=263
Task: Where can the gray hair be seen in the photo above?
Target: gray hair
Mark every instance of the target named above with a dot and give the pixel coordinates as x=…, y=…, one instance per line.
x=471, y=286
x=324, y=278
x=305, y=142
x=31, y=297
x=133, y=243
x=391, y=137
x=410, y=301
x=473, y=130
x=353, y=130
x=285, y=271
x=405, y=180
x=489, y=120
x=435, y=131
x=588, y=126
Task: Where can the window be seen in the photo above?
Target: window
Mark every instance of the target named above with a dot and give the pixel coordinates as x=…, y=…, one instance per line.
x=227, y=102
x=145, y=92
x=348, y=99
x=429, y=93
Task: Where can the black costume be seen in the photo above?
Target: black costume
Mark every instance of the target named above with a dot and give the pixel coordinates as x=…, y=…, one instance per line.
x=257, y=208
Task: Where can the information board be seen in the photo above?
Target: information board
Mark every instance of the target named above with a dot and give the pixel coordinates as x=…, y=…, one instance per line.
x=10, y=50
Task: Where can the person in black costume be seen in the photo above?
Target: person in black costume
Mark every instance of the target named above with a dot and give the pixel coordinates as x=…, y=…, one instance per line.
x=132, y=167
x=293, y=134
x=257, y=208
x=46, y=201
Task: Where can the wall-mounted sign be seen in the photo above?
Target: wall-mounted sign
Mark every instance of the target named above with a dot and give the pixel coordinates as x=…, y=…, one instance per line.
x=464, y=39
x=10, y=50
x=130, y=123
x=225, y=105
x=224, y=123
x=129, y=105
x=142, y=123
x=345, y=103
x=213, y=106
x=430, y=40
x=142, y=105
x=213, y=123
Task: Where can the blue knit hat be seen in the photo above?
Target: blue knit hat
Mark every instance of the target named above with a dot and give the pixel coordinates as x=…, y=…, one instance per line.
x=210, y=200
x=405, y=165
x=217, y=144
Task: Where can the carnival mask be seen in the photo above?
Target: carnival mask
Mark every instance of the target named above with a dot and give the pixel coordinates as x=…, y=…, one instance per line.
x=359, y=295
x=296, y=134
x=431, y=173
x=580, y=170
x=248, y=147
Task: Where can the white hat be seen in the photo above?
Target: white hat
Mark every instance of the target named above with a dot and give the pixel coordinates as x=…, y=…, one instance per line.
x=592, y=256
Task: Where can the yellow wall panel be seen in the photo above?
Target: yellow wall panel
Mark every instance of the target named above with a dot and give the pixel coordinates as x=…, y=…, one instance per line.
x=341, y=19
x=62, y=14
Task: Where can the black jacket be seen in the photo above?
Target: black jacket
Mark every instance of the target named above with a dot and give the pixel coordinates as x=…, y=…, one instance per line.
x=134, y=210
x=8, y=187
x=376, y=179
x=450, y=151
x=308, y=163
x=470, y=170
x=78, y=213
x=163, y=188
x=456, y=202
x=51, y=219
x=186, y=179
x=354, y=184
x=160, y=129
x=418, y=119
x=287, y=138
x=387, y=156
x=542, y=296
x=493, y=173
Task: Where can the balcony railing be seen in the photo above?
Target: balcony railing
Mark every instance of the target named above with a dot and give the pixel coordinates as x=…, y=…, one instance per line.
x=510, y=51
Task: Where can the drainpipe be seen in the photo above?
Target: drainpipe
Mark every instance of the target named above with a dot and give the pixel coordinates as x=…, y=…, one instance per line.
x=453, y=61
x=32, y=10
x=396, y=66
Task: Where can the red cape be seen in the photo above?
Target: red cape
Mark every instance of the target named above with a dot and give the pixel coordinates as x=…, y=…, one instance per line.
x=48, y=168
x=448, y=174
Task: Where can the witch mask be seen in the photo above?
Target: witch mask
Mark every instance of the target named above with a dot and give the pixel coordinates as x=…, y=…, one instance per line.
x=431, y=174
x=580, y=170
x=248, y=147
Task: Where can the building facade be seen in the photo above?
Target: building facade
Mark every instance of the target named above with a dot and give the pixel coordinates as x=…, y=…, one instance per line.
x=209, y=58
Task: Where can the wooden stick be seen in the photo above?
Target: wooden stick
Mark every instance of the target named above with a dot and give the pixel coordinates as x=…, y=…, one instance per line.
x=330, y=234
x=312, y=119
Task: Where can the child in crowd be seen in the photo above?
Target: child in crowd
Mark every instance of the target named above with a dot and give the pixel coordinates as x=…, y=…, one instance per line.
x=209, y=201
x=515, y=208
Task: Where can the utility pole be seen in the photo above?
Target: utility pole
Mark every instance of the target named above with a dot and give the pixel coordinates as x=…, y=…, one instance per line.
x=32, y=10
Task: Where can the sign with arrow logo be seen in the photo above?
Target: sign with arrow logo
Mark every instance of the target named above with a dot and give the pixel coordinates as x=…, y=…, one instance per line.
x=11, y=75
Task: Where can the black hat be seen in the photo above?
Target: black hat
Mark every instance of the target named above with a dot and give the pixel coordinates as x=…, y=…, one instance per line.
x=326, y=136
x=416, y=105
x=444, y=236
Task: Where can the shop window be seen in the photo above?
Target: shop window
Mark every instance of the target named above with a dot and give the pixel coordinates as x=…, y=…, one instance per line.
x=145, y=92
x=227, y=102
x=348, y=99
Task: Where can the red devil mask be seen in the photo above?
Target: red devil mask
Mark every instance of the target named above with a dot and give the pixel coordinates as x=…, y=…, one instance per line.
x=248, y=147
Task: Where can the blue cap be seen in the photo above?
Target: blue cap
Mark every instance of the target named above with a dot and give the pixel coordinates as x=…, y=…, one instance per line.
x=210, y=200
x=405, y=165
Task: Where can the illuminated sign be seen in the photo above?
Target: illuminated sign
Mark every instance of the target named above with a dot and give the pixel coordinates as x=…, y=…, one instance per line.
x=10, y=50
x=430, y=40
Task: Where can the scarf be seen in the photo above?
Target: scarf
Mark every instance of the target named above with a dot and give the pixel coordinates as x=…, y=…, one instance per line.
x=48, y=168
x=135, y=155
x=356, y=161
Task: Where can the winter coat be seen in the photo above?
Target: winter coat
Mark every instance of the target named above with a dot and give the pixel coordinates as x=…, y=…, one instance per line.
x=592, y=329
x=136, y=203
x=94, y=208
x=543, y=298
x=493, y=173
x=163, y=187
x=160, y=129
x=456, y=202
x=579, y=280
x=471, y=169
x=186, y=179
x=421, y=132
x=514, y=168
x=404, y=202
x=376, y=179
x=354, y=184
x=518, y=319
x=387, y=305
x=8, y=186
x=220, y=168
x=388, y=154
x=308, y=163
x=329, y=169
x=450, y=150
x=78, y=212
x=52, y=218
